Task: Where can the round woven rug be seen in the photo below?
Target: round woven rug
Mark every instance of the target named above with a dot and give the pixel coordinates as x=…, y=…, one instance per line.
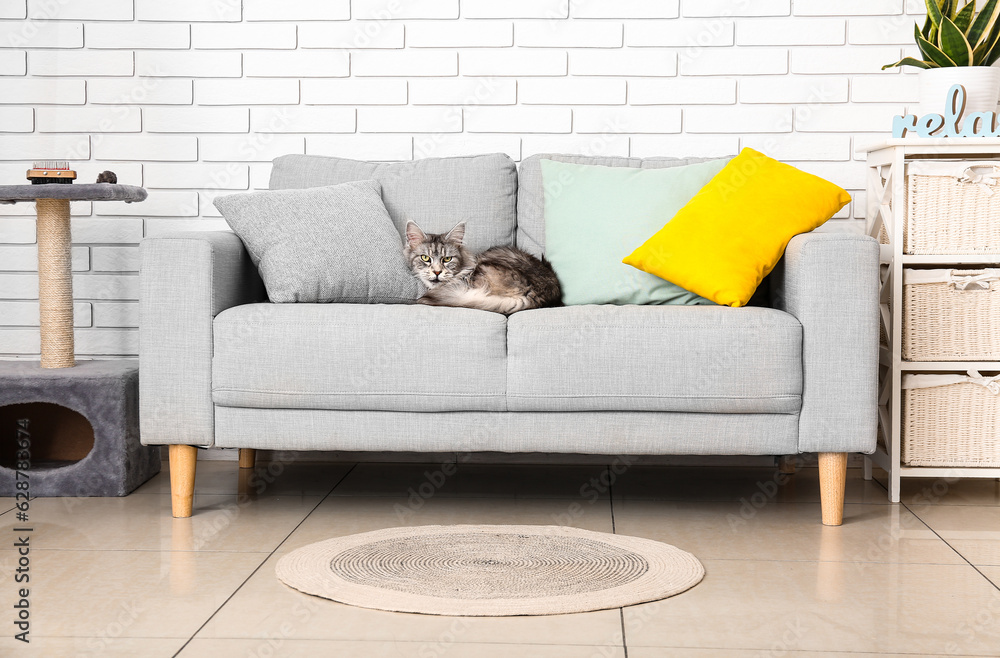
x=490, y=570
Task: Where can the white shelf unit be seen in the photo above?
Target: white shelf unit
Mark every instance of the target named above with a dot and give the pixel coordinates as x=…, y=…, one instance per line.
x=885, y=208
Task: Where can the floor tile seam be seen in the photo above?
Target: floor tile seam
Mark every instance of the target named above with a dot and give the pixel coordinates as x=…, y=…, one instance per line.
x=567, y=497
x=611, y=506
x=519, y=497
x=217, y=493
x=276, y=550
x=963, y=563
x=146, y=550
x=611, y=498
x=37, y=635
x=769, y=502
x=279, y=551
x=425, y=641
x=938, y=505
x=996, y=586
x=262, y=563
x=867, y=652
x=198, y=494
x=465, y=496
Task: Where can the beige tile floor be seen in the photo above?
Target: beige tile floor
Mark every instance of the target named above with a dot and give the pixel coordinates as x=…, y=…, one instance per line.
x=120, y=577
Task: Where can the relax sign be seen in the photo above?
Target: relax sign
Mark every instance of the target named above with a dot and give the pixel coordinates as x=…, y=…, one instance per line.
x=950, y=124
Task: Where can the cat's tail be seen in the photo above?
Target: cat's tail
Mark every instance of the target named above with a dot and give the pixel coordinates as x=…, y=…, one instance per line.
x=475, y=298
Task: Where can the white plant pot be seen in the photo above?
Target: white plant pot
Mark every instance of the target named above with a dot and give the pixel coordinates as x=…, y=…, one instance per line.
x=982, y=88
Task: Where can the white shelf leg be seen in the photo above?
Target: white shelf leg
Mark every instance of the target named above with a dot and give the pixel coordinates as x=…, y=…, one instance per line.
x=867, y=469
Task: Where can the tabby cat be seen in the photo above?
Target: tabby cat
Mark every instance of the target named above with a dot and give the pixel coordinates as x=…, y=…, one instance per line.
x=500, y=279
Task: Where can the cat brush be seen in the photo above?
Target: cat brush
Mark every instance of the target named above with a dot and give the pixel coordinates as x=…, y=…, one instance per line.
x=50, y=171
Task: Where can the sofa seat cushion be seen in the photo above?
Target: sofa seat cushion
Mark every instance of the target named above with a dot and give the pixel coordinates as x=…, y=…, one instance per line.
x=654, y=358
x=359, y=357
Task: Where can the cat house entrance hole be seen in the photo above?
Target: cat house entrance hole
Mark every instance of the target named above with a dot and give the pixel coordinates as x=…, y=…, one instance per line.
x=59, y=435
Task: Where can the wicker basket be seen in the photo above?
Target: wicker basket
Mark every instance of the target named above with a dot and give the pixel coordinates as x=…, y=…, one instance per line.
x=951, y=315
x=951, y=420
x=952, y=208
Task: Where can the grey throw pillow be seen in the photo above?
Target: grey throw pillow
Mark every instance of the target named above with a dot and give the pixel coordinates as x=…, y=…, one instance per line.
x=323, y=244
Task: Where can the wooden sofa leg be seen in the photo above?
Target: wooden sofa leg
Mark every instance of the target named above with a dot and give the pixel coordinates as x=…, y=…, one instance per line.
x=786, y=464
x=183, y=461
x=832, y=480
x=248, y=457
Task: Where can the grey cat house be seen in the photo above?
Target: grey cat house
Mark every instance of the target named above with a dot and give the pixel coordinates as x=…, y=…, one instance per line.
x=221, y=366
x=80, y=426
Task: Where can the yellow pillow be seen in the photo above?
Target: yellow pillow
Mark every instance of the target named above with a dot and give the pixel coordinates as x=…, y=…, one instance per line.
x=730, y=236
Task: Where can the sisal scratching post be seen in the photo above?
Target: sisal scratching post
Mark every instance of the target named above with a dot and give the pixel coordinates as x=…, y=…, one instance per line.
x=51, y=189
x=55, y=283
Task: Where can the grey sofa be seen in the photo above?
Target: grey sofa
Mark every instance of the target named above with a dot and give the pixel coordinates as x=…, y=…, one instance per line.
x=220, y=366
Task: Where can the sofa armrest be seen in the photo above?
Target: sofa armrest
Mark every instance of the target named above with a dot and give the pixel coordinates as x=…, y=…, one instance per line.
x=829, y=282
x=185, y=280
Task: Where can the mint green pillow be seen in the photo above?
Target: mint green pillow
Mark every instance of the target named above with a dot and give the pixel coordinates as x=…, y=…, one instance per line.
x=595, y=216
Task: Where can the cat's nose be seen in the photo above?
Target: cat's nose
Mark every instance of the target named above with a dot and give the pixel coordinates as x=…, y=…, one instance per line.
x=437, y=272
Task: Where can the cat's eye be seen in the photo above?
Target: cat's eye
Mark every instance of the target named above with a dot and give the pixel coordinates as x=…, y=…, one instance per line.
x=425, y=258
x=447, y=259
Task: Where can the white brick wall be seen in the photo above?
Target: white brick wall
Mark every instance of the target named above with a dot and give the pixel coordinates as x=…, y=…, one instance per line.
x=12, y=9
x=297, y=63
x=138, y=36
x=192, y=99
x=297, y=10
x=13, y=62
x=41, y=34
x=246, y=36
x=737, y=8
x=351, y=34
x=455, y=34
x=105, y=10
x=91, y=63
x=16, y=119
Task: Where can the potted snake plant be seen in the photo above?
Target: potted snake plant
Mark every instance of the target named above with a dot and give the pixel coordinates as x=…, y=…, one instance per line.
x=959, y=46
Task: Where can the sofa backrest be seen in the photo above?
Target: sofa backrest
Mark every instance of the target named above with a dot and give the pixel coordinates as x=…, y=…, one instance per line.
x=436, y=193
x=531, y=198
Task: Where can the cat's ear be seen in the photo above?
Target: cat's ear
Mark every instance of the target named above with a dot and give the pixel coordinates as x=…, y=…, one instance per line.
x=414, y=235
x=456, y=234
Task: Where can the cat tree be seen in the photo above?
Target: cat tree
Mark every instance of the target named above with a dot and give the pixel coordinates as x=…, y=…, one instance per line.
x=100, y=454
